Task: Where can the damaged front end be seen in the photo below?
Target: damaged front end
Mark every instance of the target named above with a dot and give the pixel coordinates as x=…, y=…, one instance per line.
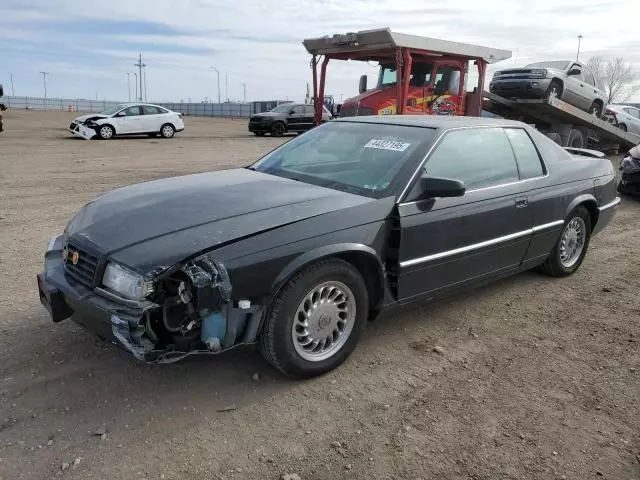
x=86, y=129
x=191, y=310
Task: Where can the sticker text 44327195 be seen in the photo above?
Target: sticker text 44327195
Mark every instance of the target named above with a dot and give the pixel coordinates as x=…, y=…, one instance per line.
x=387, y=145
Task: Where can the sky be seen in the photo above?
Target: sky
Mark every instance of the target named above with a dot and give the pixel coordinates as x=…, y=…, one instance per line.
x=88, y=48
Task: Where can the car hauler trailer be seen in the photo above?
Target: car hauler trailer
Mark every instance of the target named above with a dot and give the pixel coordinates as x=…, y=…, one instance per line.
x=432, y=73
x=567, y=125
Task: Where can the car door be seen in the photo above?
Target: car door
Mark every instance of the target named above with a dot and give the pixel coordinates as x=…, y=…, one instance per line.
x=295, y=119
x=128, y=120
x=152, y=119
x=634, y=120
x=448, y=243
x=575, y=88
x=591, y=90
x=309, y=113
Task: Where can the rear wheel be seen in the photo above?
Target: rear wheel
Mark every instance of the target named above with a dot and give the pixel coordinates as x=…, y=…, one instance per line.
x=106, y=132
x=167, y=130
x=576, y=139
x=316, y=319
x=596, y=109
x=570, y=249
x=278, y=129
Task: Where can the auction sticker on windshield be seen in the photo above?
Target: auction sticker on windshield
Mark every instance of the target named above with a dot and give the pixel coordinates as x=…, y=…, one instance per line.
x=387, y=145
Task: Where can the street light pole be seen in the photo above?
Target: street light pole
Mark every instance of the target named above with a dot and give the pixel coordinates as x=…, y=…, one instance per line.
x=226, y=86
x=44, y=81
x=244, y=88
x=218, y=72
x=13, y=92
x=578, y=54
x=129, y=85
x=136, y=83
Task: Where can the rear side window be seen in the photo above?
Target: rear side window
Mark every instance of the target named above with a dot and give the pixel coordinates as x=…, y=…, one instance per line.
x=308, y=110
x=527, y=156
x=588, y=76
x=480, y=157
x=150, y=110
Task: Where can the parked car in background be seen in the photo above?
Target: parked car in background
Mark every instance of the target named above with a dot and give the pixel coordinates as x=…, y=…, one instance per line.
x=128, y=119
x=630, y=170
x=2, y=108
x=286, y=117
x=572, y=82
x=624, y=117
x=297, y=251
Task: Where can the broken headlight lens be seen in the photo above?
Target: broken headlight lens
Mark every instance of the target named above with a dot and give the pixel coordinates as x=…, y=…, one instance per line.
x=125, y=282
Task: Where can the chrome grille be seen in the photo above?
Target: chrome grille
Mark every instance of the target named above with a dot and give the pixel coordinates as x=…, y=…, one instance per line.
x=84, y=270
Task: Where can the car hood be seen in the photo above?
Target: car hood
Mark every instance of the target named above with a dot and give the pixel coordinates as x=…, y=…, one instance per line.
x=269, y=114
x=195, y=213
x=84, y=118
x=528, y=70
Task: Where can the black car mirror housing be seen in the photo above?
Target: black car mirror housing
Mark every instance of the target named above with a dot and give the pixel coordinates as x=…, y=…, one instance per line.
x=442, y=187
x=574, y=71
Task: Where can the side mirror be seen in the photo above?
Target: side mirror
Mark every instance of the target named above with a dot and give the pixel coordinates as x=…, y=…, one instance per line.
x=362, y=86
x=574, y=71
x=442, y=187
x=120, y=114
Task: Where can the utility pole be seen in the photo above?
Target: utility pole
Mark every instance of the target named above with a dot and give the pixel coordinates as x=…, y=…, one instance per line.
x=578, y=54
x=136, y=83
x=218, y=72
x=226, y=86
x=140, y=65
x=129, y=85
x=144, y=72
x=44, y=81
x=244, y=88
x=13, y=92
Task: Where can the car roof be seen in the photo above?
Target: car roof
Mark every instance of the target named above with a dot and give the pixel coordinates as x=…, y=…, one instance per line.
x=433, y=121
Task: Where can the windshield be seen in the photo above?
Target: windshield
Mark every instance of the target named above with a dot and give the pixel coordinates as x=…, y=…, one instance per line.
x=556, y=65
x=420, y=75
x=284, y=108
x=362, y=158
x=112, y=110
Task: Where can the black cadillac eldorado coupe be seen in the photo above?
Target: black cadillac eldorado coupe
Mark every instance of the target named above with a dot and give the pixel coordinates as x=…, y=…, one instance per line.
x=297, y=251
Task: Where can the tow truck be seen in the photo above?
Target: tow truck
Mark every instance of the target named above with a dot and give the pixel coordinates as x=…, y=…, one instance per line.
x=421, y=75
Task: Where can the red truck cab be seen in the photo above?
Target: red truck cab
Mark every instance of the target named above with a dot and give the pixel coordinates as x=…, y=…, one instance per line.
x=418, y=75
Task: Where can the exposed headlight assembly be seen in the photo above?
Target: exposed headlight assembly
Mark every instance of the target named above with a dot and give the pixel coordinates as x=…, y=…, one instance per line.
x=125, y=282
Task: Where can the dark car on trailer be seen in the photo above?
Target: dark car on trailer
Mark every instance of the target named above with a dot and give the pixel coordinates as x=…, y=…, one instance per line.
x=286, y=118
x=297, y=251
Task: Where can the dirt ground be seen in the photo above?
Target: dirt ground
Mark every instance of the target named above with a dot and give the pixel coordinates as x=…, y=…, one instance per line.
x=538, y=378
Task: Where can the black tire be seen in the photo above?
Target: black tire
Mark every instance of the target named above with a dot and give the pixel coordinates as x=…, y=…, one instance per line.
x=278, y=129
x=622, y=189
x=553, y=266
x=276, y=342
x=554, y=89
x=106, y=132
x=596, y=109
x=259, y=134
x=167, y=130
x=576, y=139
x=622, y=127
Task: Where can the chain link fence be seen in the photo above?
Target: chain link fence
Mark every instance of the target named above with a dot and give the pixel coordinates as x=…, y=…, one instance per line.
x=228, y=110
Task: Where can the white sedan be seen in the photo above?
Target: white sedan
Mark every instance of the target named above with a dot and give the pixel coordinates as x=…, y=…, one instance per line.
x=625, y=117
x=128, y=119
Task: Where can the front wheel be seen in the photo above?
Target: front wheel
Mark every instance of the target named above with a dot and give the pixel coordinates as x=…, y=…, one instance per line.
x=622, y=127
x=554, y=90
x=167, y=130
x=106, y=132
x=570, y=249
x=316, y=319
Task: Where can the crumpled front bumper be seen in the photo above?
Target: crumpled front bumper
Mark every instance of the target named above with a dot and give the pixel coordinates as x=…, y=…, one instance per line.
x=81, y=130
x=113, y=319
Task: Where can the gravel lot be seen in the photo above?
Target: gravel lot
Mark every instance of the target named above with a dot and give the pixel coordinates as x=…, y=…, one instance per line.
x=537, y=378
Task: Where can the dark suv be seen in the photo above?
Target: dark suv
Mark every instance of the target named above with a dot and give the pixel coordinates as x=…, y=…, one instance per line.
x=286, y=117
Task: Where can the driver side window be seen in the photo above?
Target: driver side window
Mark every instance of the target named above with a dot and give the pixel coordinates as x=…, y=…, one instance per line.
x=131, y=111
x=479, y=157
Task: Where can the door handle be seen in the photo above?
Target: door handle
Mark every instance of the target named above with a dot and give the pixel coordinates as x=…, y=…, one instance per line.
x=522, y=202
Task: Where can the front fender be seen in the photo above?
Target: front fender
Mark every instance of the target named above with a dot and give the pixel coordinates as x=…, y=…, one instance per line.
x=324, y=252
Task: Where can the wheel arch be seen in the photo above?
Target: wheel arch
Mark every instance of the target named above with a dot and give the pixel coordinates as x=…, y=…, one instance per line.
x=561, y=82
x=590, y=203
x=361, y=257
